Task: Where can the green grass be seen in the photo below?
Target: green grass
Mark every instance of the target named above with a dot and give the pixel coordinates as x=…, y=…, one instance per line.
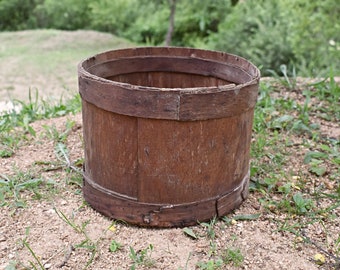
x=287, y=131
x=142, y=257
x=91, y=246
x=35, y=109
x=233, y=256
x=52, y=50
x=47, y=61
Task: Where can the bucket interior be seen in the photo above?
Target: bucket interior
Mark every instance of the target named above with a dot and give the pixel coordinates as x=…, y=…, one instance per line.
x=170, y=72
x=168, y=80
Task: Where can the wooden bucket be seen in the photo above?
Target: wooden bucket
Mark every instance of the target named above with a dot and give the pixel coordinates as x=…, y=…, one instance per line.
x=167, y=133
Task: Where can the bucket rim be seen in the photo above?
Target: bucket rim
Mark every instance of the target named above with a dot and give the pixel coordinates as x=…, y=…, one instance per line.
x=234, y=94
x=190, y=54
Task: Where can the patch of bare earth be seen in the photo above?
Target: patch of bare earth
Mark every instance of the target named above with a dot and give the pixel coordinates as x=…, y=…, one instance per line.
x=59, y=246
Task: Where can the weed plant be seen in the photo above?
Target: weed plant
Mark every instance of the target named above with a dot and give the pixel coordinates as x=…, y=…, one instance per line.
x=15, y=123
x=142, y=257
x=295, y=165
x=15, y=130
x=12, y=188
x=91, y=246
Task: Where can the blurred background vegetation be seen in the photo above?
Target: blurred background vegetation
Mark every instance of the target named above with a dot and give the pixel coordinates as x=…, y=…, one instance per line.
x=301, y=36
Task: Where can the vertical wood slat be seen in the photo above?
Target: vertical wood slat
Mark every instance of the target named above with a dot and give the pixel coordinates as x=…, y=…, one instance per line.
x=111, y=148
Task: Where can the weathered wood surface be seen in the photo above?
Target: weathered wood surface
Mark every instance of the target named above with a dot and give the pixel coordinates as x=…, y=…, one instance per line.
x=169, y=83
x=167, y=133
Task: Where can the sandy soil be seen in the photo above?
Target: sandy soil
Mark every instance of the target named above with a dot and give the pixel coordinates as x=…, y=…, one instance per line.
x=55, y=242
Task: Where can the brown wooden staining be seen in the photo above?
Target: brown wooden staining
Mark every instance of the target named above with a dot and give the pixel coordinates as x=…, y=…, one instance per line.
x=167, y=133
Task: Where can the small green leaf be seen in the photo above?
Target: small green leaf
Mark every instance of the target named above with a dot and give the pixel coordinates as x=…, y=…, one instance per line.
x=30, y=183
x=285, y=188
x=79, y=162
x=284, y=118
x=319, y=171
x=302, y=204
x=325, y=147
x=190, y=232
x=133, y=253
x=114, y=246
x=20, y=204
x=31, y=131
x=2, y=197
x=298, y=199
x=6, y=153
x=336, y=160
x=281, y=122
x=314, y=155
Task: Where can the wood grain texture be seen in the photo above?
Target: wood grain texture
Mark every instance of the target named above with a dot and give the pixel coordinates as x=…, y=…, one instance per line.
x=167, y=133
x=110, y=150
x=169, y=83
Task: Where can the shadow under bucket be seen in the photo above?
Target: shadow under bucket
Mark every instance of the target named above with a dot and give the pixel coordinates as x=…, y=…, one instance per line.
x=167, y=133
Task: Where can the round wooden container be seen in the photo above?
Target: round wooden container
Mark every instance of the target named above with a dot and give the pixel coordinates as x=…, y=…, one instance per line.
x=167, y=133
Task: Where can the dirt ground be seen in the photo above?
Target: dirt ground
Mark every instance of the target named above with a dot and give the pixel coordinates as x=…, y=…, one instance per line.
x=54, y=241
x=59, y=246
